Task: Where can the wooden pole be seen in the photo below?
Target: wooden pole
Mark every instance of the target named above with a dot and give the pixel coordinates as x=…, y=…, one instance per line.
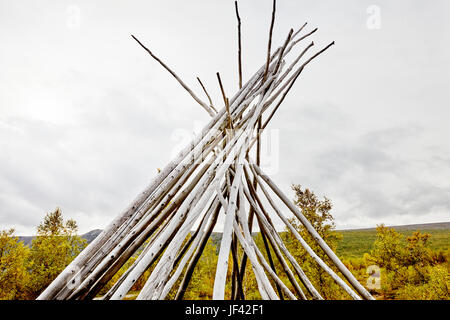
x=239, y=44
x=269, y=43
x=342, y=268
x=200, y=102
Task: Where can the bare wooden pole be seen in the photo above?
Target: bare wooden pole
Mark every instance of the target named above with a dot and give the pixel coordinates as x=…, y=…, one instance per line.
x=190, y=269
x=283, y=48
x=299, y=30
x=305, y=36
x=222, y=264
x=143, y=229
x=265, y=288
x=234, y=275
x=200, y=102
x=174, y=277
x=269, y=44
x=265, y=265
x=267, y=226
x=72, y=271
x=152, y=286
x=144, y=221
x=342, y=268
x=259, y=126
x=273, y=274
x=194, y=236
x=207, y=95
x=239, y=44
x=262, y=231
x=116, y=285
x=300, y=273
x=292, y=65
x=225, y=101
x=289, y=83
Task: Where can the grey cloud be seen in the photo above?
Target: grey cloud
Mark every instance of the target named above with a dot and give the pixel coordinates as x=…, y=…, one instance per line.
x=86, y=116
x=95, y=165
x=376, y=183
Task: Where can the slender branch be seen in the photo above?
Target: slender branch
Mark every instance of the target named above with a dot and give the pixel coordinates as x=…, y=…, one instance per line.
x=342, y=268
x=266, y=227
x=207, y=95
x=269, y=44
x=292, y=80
x=299, y=30
x=286, y=42
x=226, y=102
x=200, y=102
x=239, y=44
x=190, y=269
x=263, y=235
x=306, y=35
x=279, y=102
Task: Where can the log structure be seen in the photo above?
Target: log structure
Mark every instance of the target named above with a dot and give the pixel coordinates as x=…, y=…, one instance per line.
x=167, y=226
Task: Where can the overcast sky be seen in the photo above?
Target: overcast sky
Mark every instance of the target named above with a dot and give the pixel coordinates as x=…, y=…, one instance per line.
x=87, y=117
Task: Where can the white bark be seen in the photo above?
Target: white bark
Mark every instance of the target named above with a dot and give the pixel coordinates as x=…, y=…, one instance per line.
x=319, y=240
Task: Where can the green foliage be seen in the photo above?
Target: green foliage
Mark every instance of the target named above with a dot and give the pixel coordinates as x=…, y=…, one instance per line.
x=436, y=287
x=417, y=252
x=409, y=267
x=388, y=248
x=318, y=213
x=24, y=272
x=201, y=285
x=55, y=246
x=357, y=242
x=13, y=274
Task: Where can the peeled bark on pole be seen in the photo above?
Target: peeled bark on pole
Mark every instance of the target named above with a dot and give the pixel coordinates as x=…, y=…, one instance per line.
x=154, y=284
x=348, y=275
x=190, y=269
x=142, y=223
x=171, y=228
x=222, y=263
x=266, y=233
x=274, y=237
x=200, y=102
x=265, y=286
x=78, y=263
x=239, y=44
x=174, y=277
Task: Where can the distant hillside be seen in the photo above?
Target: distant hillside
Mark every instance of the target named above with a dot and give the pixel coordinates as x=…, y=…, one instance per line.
x=406, y=227
x=356, y=242
x=89, y=236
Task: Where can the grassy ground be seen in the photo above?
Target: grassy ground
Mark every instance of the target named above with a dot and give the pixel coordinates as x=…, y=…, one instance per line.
x=357, y=242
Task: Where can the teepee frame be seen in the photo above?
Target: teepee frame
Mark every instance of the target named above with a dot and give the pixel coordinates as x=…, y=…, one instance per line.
x=214, y=174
